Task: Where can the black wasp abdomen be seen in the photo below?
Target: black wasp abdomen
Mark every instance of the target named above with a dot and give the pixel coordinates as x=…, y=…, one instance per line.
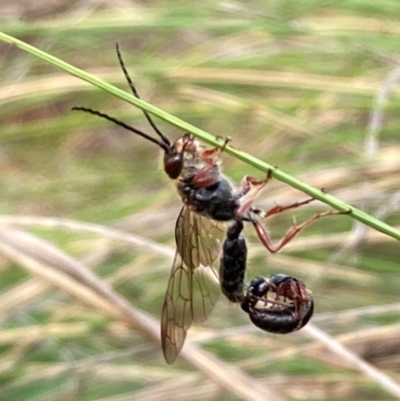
x=233, y=263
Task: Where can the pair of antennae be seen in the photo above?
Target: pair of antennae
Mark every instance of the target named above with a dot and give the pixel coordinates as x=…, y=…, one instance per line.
x=164, y=143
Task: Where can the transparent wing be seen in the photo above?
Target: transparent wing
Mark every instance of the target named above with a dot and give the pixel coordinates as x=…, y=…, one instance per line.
x=191, y=292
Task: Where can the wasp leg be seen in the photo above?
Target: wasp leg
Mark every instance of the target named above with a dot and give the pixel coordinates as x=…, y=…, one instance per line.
x=250, y=189
x=209, y=174
x=212, y=155
x=291, y=233
x=279, y=209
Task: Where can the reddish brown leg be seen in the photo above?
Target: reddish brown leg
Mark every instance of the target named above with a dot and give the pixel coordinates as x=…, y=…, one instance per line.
x=279, y=209
x=211, y=156
x=205, y=176
x=291, y=233
x=250, y=189
x=249, y=182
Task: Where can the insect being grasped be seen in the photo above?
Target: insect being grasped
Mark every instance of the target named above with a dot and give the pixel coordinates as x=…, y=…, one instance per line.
x=291, y=305
x=209, y=200
x=290, y=308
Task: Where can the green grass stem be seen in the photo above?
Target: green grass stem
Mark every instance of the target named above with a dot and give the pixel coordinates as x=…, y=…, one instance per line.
x=207, y=138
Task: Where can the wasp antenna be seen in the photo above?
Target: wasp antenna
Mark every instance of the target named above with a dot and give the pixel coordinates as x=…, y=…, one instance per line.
x=161, y=144
x=136, y=94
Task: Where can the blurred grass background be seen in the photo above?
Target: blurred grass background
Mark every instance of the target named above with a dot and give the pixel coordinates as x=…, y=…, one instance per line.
x=310, y=87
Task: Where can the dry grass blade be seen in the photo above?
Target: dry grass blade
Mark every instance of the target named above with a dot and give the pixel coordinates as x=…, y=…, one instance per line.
x=51, y=84
x=375, y=121
x=361, y=343
x=21, y=294
x=390, y=385
x=222, y=100
x=276, y=79
x=196, y=355
x=49, y=263
x=67, y=224
x=352, y=314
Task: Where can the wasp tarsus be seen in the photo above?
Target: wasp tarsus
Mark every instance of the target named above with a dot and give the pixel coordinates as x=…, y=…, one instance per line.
x=286, y=304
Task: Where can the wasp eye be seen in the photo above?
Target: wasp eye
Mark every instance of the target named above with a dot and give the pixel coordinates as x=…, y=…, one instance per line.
x=173, y=164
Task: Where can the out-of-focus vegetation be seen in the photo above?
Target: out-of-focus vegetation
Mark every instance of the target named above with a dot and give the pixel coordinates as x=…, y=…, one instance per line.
x=295, y=85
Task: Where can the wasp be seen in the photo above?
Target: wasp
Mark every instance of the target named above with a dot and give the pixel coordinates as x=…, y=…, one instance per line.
x=209, y=200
